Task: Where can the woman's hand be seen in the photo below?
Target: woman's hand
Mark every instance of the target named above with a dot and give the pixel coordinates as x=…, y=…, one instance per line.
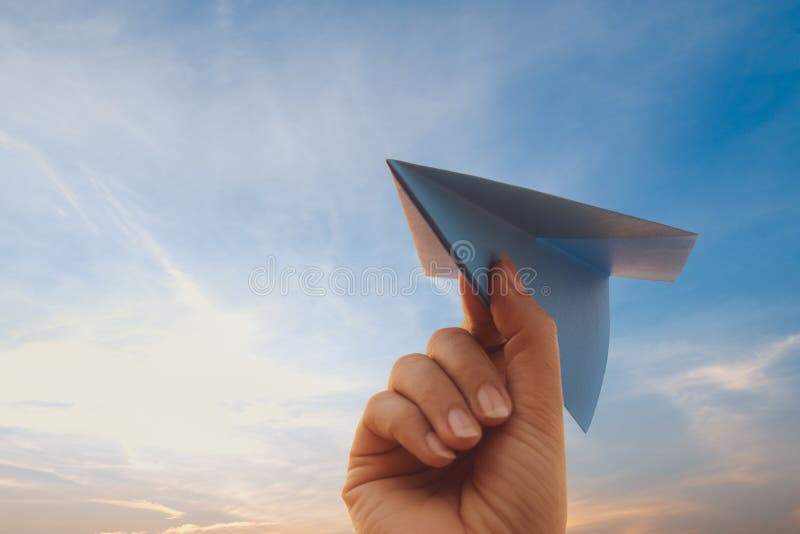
x=468, y=437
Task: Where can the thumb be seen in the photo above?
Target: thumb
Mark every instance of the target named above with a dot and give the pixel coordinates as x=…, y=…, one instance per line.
x=531, y=352
x=513, y=309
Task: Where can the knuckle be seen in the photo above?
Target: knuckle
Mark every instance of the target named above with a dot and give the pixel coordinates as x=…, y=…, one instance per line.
x=540, y=316
x=451, y=334
x=403, y=362
x=466, y=372
x=376, y=400
x=403, y=365
x=549, y=324
x=403, y=420
x=460, y=368
x=541, y=323
x=429, y=398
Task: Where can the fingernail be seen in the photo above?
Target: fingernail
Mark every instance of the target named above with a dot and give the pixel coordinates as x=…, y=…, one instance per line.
x=492, y=402
x=463, y=426
x=514, y=279
x=439, y=449
x=508, y=264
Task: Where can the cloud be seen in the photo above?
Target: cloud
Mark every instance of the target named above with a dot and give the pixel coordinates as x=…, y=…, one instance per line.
x=12, y=483
x=200, y=360
x=236, y=527
x=632, y=515
x=170, y=513
x=709, y=429
x=42, y=162
x=712, y=397
x=180, y=383
x=747, y=375
x=43, y=404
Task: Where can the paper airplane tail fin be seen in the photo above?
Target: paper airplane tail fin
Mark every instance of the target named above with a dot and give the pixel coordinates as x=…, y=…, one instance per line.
x=576, y=297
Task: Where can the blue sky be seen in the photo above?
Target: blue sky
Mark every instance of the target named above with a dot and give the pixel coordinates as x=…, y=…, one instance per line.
x=152, y=155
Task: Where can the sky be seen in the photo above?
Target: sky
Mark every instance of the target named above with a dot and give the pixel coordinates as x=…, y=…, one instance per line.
x=156, y=158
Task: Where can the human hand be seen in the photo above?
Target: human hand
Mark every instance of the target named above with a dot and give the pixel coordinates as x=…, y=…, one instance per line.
x=470, y=436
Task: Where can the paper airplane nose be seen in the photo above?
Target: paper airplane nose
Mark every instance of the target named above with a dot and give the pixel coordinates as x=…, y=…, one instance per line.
x=569, y=249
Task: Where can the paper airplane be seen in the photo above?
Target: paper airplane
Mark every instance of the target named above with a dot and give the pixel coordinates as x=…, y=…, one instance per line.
x=569, y=249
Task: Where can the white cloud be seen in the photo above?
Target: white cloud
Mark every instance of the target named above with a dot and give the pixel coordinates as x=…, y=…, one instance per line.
x=157, y=371
x=729, y=434
x=630, y=515
x=738, y=375
x=170, y=513
x=42, y=162
x=236, y=527
x=733, y=429
x=13, y=483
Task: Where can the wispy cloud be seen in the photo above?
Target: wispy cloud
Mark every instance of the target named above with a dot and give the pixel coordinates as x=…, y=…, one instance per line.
x=140, y=236
x=13, y=483
x=177, y=362
x=747, y=375
x=170, y=513
x=236, y=527
x=635, y=515
x=42, y=162
x=728, y=410
x=712, y=396
x=42, y=404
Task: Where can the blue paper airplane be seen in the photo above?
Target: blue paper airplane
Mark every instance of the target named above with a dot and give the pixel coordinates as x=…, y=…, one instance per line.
x=568, y=249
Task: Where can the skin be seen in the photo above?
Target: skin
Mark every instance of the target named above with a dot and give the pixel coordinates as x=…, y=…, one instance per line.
x=416, y=465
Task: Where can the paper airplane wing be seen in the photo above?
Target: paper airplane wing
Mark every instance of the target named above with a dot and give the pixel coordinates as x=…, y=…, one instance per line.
x=463, y=223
